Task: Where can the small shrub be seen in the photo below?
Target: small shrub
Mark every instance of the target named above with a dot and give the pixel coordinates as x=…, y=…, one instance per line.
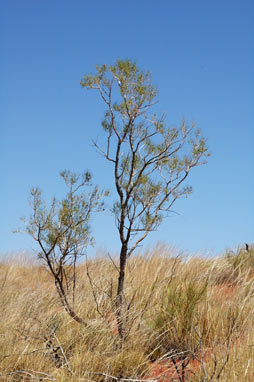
x=177, y=317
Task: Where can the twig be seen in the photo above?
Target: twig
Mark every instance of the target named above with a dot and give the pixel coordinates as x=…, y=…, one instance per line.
x=20, y=354
x=113, y=262
x=93, y=291
x=63, y=354
x=202, y=354
x=29, y=372
x=225, y=361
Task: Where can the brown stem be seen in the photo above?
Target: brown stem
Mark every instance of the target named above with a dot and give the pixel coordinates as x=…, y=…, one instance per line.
x=120, y=289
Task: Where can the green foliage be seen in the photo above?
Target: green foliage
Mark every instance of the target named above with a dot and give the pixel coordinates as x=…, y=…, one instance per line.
x=150, y=159
x=177, y=318
x=62, y=230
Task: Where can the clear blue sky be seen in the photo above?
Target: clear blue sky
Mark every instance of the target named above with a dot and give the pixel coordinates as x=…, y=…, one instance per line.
x=200, y=53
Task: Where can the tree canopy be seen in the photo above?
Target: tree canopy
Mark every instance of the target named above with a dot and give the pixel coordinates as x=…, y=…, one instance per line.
x=151, y=160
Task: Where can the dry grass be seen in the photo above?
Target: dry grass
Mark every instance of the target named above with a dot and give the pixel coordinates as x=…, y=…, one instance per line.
x=199, y=311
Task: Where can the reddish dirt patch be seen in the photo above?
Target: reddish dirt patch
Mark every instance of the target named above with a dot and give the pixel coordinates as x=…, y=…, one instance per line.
x=226, y=290
x=112, y=322
x=165, y=371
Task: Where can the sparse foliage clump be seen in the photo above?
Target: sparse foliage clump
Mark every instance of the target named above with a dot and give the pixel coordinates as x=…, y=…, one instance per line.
x=62, y=232
x=178, y=316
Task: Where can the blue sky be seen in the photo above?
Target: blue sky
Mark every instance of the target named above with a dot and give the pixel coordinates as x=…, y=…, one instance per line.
x=200, y=54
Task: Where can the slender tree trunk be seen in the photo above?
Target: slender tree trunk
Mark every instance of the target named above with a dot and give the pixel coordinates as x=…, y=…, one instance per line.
x=66, y=304
x=120, y=289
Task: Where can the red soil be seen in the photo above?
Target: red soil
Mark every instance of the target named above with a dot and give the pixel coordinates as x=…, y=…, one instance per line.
x=112, y=322
x=165, y=371
x=226, y=290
